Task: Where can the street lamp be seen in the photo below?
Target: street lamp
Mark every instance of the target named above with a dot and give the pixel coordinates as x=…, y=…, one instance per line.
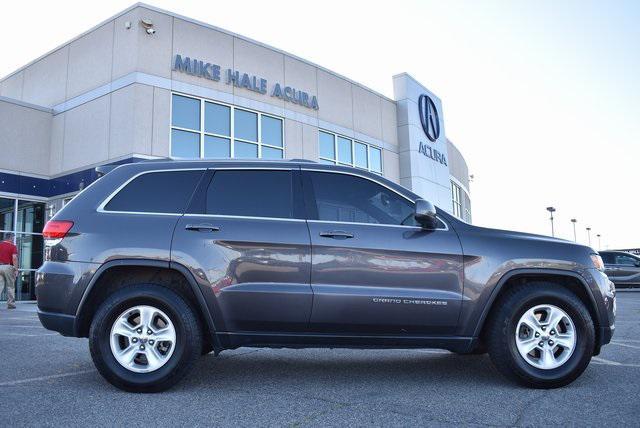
x=599, y=243
x=551, y=211
x=589, y=235
x=574, y=221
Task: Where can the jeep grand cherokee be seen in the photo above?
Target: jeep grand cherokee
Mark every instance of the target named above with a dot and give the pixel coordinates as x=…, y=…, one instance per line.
x=160, y=262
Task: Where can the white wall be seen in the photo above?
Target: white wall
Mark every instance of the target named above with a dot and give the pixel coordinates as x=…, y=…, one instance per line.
x=24, y=138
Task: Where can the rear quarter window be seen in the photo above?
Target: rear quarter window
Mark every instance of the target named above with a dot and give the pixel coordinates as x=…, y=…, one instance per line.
x=156, y=192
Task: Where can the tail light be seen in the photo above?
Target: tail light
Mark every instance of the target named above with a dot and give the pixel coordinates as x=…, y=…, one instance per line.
x=56, y=229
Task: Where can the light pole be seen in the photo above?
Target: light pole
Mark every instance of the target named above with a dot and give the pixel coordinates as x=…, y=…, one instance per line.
x=599, y=243
x=589, y=235
x=551, y=211
x=574, y=221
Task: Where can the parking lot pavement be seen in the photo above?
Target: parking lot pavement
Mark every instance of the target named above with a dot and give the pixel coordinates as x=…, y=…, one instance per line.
x=47, y=379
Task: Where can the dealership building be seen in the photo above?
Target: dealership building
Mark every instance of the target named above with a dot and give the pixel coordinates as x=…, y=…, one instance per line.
x=149, y=84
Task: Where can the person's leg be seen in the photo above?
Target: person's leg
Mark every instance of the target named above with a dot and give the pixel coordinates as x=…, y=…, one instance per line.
x=7, y=281
x=11, y=290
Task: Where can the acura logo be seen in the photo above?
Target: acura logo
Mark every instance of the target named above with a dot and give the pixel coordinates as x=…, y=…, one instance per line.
x=429, y=117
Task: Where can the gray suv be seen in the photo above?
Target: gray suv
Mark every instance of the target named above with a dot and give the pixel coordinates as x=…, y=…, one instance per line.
x=622, y=268
x=160, y=262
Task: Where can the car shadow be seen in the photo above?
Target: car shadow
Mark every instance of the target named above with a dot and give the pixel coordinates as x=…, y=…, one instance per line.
x=247, y=367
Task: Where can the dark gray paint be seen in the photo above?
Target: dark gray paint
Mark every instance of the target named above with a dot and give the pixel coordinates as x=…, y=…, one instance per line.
x=280, y=283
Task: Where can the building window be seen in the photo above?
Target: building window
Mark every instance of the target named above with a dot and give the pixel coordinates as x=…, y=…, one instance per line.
x=336, y=149
x=456, y=198
x=204, y=129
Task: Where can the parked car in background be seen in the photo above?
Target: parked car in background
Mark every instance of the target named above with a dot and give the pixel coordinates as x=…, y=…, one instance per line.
x=622, y=268
x=158, y=262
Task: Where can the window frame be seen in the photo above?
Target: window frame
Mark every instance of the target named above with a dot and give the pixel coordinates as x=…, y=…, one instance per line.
x=202, y=133
x=353, y=152
x=105, y=202
x=456, y=200
x=307, y=195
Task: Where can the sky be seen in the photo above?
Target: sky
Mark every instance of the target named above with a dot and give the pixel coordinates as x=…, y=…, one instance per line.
x=541, y=97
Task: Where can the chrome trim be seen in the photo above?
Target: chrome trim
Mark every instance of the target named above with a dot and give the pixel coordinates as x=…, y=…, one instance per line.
x=108, y=199
x=379, y=224
x=257, y=168
x=244, y=217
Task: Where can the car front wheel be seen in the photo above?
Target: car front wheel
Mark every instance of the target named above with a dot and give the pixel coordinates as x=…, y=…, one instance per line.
x=541, y=335
x=144, y=338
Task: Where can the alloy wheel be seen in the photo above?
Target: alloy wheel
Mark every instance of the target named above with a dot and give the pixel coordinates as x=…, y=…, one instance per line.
x=545, y=337
x=142, y=339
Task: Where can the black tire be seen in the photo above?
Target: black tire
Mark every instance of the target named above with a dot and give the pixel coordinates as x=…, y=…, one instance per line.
x=188, y=344
x=501, y=330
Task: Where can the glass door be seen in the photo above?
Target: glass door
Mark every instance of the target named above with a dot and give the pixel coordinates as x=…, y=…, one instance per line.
x=25, y=220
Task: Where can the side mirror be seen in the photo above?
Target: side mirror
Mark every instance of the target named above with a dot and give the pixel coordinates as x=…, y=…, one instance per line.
x=425, y=214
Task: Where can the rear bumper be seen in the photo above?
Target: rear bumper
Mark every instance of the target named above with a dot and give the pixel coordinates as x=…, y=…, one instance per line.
x=59, y=290
x=62, y=323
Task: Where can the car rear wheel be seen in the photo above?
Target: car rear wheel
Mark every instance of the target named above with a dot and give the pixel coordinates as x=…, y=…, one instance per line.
x=144, y=338
x=541, y=335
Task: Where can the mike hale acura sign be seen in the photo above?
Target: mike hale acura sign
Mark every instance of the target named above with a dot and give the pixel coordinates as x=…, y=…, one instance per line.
x=207, y=70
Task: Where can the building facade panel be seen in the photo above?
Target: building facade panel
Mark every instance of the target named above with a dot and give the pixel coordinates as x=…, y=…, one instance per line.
x=90, y=60
x=86, y=134
x=45, y=80
x=249, y=58
x=337, y=101
x=205, y=44
x=303, y=77
x=24, y=138
x=11, y=86
x=161, y=119
x=367, y=112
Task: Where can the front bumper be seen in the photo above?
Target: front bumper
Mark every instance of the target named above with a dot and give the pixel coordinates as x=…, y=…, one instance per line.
x=604, y=293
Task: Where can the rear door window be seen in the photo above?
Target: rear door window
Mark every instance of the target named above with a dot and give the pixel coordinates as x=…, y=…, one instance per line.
x=165, y=192
x=246, y=193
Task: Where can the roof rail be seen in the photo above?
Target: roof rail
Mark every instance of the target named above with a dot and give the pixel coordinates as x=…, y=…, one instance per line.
x=302, y=160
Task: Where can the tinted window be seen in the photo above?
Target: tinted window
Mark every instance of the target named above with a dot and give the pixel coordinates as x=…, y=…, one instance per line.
x=251, y=193
x=156, y=192
x=623, y=259
x=346, y=198
x=607, y=258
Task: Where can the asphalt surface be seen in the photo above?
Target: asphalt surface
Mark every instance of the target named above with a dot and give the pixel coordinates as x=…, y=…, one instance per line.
x=49, y=380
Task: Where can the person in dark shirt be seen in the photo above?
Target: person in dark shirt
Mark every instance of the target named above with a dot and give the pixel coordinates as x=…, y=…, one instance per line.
x=8, y=268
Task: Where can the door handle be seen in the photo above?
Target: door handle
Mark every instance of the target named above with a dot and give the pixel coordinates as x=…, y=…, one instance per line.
x=336, y=234
x=204, y=227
